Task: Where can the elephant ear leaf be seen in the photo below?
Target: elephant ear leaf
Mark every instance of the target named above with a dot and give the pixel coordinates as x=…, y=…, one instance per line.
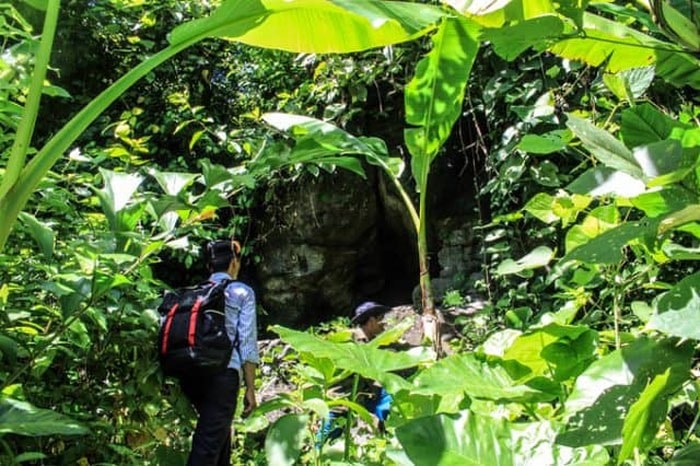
x=467, y=438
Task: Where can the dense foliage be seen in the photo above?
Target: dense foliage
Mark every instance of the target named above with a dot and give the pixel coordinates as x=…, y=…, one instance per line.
x=586, y=126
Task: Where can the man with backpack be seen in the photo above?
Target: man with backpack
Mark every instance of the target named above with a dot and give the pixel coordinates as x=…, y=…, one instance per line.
x=209, y=371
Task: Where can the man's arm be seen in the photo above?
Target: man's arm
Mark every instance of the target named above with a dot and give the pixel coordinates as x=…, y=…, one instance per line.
x=248, y=350
x=249, y=401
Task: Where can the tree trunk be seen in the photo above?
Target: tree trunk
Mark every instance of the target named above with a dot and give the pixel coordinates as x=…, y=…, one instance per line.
x=431, y=327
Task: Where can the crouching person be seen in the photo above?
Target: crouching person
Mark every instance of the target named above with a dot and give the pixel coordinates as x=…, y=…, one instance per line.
x=368, y=323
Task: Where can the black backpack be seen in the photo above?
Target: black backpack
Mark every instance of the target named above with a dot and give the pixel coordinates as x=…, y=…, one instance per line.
x=192, y=339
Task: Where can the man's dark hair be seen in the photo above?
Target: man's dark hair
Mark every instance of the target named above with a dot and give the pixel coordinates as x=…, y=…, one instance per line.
x=219, y=254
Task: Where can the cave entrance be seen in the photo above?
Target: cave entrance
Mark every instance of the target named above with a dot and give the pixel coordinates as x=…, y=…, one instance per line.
x=399, y=259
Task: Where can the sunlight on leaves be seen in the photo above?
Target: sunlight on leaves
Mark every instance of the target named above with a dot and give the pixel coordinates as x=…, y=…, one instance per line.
x=629, y=84
x=606, y=248
x=467, y=438
x=604, y=181
x=556, y=351
x=678, y=310
x=510, y=41
x=604, y=393
x=466, y=374
x=602, y=145
x=538, y=257
x=313, y=26
x=644, y=418
x=372, y=363
x=670, y=199
x=118, y=189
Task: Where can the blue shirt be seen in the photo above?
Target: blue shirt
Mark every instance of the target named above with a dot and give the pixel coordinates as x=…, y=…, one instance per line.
x=241, y=321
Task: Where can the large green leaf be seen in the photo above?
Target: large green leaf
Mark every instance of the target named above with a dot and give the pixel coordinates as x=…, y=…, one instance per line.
x=21, y=418
x=559, y=352
x=285, y=439
x=603, y=395
x=644, y=418
x=22, y=139
x=680, y=25
x=463, y=439
x=665, y=201
x=465, y=374
x=547, y=143
x=324, y=144
x=434, y=96
x=678, y=310
x=606, y=248
x=510, y=41
x=540, y=206
x=468, y=439
x=688, y=214
x=605, y=43
x=562, y=206
x=313, y=26
x=599, y=220
x=604, y=146
x=618, y=47
x=117, y=192
x=629, y=84
x=496, y=14
x=372, y=363
x=534, y=444
x=645, y=124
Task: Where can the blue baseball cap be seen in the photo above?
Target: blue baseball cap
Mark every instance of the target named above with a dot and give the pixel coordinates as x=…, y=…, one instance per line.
x=366, y=310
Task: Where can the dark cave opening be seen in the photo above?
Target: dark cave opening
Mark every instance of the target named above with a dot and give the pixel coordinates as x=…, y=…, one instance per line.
x=399, y=259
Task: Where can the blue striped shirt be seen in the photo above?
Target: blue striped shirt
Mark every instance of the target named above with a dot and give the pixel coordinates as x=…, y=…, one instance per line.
x=241, y=321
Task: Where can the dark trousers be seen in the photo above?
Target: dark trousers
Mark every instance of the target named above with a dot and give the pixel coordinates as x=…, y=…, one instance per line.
x=214, y=398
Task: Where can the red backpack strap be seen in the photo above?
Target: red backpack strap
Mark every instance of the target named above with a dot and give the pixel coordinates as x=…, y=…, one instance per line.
x=168, y=324
x=192, y=329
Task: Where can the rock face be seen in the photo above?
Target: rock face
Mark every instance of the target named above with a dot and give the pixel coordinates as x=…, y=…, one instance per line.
x=328, y=243
x=319, y=249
